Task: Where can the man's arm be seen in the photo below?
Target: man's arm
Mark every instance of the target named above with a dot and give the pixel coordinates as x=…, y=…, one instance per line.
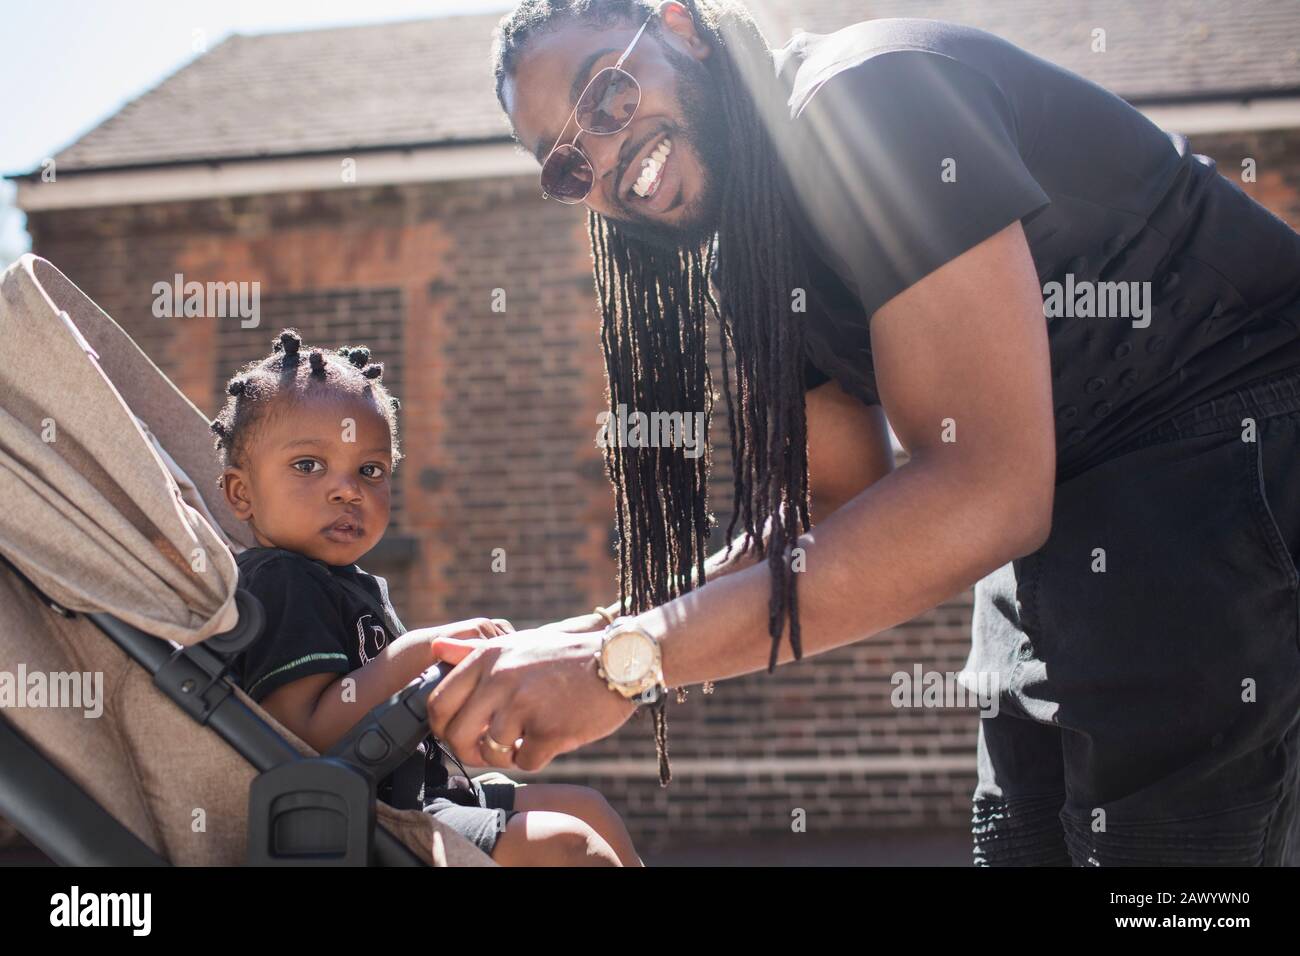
x=962, y=363
x=848, y=450
x=961, y=354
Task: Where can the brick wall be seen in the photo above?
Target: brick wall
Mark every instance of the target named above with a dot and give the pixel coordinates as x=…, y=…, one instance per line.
x=498, y=421
x=498, y=409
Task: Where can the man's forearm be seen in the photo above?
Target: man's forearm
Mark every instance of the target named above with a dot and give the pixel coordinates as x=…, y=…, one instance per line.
x=726, y=561
x=733, y=558
x=910, y=541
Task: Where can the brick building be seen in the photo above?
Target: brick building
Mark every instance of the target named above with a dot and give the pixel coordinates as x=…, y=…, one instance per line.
x=365, y=179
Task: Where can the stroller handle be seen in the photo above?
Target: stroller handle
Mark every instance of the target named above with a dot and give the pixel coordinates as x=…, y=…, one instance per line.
x=388, y=735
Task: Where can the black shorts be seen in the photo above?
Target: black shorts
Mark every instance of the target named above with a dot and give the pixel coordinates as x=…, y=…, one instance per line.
x=481, y=813
x=1148, y=655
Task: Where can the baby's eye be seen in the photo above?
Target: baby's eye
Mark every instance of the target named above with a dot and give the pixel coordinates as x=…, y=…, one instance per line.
x=307, y=466
x=372, y=471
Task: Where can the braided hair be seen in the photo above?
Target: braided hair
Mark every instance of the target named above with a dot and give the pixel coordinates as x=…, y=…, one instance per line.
x=655, y=305
x=284, y=375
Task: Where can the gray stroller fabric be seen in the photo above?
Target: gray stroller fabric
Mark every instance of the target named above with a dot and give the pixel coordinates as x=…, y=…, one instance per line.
x=109, y=478
x=93, y=516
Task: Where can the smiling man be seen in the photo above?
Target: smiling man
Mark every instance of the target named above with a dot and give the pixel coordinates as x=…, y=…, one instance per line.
x=661, y=190
x=878, y=209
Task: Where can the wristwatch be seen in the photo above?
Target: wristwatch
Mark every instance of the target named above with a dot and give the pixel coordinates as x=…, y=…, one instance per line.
x=630, y=663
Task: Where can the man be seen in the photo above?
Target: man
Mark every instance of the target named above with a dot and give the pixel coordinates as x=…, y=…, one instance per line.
x=898, y=207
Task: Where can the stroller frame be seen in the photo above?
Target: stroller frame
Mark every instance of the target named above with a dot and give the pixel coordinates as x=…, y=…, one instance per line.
x=313, y=811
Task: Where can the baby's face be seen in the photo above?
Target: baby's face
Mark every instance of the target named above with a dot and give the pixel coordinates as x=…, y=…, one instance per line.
x=317, y=477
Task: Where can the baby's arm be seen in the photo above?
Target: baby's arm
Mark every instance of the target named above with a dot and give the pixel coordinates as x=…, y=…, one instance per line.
x=316, y=708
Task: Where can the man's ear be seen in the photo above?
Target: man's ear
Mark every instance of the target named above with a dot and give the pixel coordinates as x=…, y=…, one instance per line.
x=677, y=22
x=234, y=484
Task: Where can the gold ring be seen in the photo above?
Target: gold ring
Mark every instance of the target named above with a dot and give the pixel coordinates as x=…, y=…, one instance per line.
x=498, y=747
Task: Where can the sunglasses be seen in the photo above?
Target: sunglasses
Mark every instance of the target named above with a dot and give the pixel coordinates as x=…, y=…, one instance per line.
x=606, y=106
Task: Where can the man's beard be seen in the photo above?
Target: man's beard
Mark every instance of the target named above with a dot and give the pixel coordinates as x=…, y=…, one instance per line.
x=705, y=131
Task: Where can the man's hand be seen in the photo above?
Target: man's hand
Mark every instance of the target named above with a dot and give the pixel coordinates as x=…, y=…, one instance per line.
x=541, y=686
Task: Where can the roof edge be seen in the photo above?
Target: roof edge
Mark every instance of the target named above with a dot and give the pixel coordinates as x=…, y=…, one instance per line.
x=35, y=174
x=1224, y=96
x=1137, y=100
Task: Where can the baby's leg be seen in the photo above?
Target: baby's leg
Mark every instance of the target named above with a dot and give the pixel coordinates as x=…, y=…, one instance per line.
x=548, y=838
x=587, y=805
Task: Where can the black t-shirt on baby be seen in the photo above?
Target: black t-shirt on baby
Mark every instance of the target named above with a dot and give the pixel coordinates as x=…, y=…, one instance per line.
x=318, y=623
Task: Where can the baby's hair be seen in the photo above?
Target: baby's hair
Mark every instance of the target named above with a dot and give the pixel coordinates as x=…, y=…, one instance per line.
x=284, y=375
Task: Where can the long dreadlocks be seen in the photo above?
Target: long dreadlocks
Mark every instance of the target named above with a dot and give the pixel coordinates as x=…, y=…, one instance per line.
x=654, y=333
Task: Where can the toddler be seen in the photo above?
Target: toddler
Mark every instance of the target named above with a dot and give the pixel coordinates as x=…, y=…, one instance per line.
x=308, y=439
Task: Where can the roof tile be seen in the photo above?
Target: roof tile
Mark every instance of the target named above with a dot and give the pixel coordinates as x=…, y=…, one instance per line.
x=428, y=81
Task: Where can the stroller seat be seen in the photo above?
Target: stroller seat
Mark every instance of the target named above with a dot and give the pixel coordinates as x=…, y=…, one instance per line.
x=121, y=739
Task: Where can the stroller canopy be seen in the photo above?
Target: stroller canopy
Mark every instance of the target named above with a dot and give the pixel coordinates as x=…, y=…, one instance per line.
x=96, y=513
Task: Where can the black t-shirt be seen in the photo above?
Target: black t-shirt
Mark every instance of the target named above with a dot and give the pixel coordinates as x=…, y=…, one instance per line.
x=318, y=623
x=911, y=141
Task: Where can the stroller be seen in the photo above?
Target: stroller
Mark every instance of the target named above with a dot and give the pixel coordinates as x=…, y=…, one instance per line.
x=118, y=592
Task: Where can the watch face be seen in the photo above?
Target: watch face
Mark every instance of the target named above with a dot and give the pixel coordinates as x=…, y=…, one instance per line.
x=628, y=658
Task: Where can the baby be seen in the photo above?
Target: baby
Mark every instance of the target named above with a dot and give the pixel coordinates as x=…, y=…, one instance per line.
x=308, y=440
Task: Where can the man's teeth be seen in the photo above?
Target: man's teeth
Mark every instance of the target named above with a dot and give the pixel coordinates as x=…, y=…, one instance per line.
x=648, y=182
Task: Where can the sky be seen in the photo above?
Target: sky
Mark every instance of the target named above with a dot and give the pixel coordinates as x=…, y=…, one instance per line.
x=66, y=65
